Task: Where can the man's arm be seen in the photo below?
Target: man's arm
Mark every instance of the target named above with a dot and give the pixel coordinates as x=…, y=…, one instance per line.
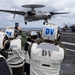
x=24, y=38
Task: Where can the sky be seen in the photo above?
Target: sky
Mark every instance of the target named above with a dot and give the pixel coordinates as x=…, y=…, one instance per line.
x=6, y=19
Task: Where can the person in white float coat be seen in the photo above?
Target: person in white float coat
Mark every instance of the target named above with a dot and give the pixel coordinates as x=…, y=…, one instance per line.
x=4, y=46
x=31, y=39
x=16, y=55
x=46, y=57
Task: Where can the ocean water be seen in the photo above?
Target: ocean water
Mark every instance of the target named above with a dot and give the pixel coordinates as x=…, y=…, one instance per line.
x=26, y=29
x=31, y=29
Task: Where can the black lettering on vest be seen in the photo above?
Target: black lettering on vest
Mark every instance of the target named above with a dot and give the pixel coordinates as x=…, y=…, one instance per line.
x=46, y=53
x=49, y=53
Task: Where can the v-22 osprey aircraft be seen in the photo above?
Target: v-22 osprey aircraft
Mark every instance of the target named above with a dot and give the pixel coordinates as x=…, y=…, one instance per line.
x=33, y=15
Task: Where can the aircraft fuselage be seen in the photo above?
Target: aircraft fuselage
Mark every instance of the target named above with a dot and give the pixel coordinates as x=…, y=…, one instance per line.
x=38, y=16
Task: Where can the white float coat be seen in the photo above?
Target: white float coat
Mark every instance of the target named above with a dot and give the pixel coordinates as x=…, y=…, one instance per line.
x=46, y=61
x=16, y=57
x=15, y=44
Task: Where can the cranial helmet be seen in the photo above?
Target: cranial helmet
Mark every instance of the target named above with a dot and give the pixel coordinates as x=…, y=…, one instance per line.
x=11, y=32
x=4, y=41
x=50, y=32
x=33, y=34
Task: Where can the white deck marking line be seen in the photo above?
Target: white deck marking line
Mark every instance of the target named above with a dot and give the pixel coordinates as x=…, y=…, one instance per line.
x=70, y=50
x=68, y=43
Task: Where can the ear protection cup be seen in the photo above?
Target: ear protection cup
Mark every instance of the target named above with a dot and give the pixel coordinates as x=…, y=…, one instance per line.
x=6, y=43
x=58, y=35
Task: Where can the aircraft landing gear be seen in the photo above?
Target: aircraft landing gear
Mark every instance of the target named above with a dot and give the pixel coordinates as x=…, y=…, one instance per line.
x=25, y=23
x=45, y=22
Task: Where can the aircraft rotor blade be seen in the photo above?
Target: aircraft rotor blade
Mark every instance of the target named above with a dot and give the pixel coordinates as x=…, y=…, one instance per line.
x=56, y=13
x=13, y=12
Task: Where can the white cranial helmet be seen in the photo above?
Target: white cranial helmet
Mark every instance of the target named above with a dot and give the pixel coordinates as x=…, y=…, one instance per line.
x=4, y=41
x=33, y=33
x=50, y=31
x=10, y=32
x=2, y=35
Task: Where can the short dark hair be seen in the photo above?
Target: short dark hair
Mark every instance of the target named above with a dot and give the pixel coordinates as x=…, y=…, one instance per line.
x=16, y=25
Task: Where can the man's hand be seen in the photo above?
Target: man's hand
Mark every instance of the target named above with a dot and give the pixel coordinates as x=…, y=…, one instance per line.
x=18, y=28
